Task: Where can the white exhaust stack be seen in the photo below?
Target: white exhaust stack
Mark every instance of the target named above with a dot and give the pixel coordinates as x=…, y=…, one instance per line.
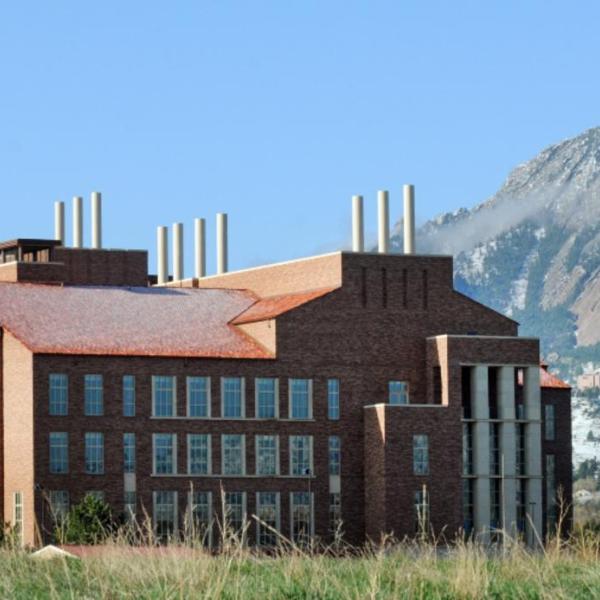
x=200, y=248
x=59, y=222
x=384, y=221
x=177, y=251
x=409, y=219
x=96, y=220
x=77, y=222
x=162, y=254
x=221, y=243
x=358, y=231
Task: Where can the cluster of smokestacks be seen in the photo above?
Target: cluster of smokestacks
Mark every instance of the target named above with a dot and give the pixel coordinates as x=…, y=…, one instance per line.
x=383, y=228
x=162, y=243
x=59, y=221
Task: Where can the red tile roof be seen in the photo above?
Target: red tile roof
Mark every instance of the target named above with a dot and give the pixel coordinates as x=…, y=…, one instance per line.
x=128, y=321
x=273, y=306
x=547, y=380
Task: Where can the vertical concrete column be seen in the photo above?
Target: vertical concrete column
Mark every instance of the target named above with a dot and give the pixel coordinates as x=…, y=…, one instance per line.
x=96, y=220
x=221, y=243
x=508, y=448
x=533, y=452
x=162, y=254
x=59, y=222
x=480, y=411
x=77, y=222
x=177, y=251
x=358, y=230
x=199, y=248
x=383, y=207
x=409, y=219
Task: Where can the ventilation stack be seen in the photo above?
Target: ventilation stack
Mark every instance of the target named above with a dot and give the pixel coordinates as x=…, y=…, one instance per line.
x=221, y=243
x=358, y=230
x=383, y=221
x=77, y=222
x=96, y=220
x=162, y=254
x=59, y=222
x=199, y=248
x=409, y=219
x=177, y=251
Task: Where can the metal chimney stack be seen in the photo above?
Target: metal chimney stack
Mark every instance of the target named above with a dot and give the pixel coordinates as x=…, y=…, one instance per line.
x=59, y=222
x=96, y=220
x=177, y=251
x=162, y=254
x=199, y=248
x=77, y=222
x=221, y=243
x=409, y=219
x=384, y=221
x=358, y=230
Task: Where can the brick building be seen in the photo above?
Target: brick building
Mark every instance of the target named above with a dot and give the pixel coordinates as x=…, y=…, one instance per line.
x=351, y=390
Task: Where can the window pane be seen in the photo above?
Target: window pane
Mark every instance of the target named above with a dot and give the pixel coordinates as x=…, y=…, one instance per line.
x=59, y=504
x=200, y=517
x=398, y=392
x=335, y=513
x=549, y=422
x=164, y=453
x=333, y=399
x=198, y=389
x=266, y=398
x=165, y=513
x=232, y=397
x=129, y=452
x=300, y=455
x=267, y=508
x=59, y=452
x=266, y=455
x=301, y=517
x=94, y=453
x=59, y=394
x=234, y=511
x=93, y=392
x=300, y=399
x=128, y=396
x=233, y=454
x=334, y=455
x=420, y=454
x=198, y=454
x=163, y=402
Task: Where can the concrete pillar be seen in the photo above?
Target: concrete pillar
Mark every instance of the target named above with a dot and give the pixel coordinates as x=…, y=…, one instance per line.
x=221, y=243
x=409, y=219
x=508, y=448
x=481, y=451
x=162, y=254
x=383, y=221
x=177, y=251
x=59, y=222
x=199, y=248
x=77, y=222
x=358, y=229
x=96, y=220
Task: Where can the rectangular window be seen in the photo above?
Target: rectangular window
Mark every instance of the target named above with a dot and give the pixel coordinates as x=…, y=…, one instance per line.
x=300, y=398
x=18, y=515
x=233, y=452
x=163, y=396
x=267, y=525
x=495, y=505
x=59, y=505
x=198, y=397
x=165, y=513
x=301, y=455
x=421, y=454
x=199, y=454
x=232, y=397
x=267, y=455
x=130, y=506
x=335, y=446
x=267, y=398
x=128, y=396
x=94, y=453
x=468, y=506
x=551, y=516
x=59, y=394
x=59, y=452
x=549, y=422
x=200, y=517
x=398, y=392
x=494, y=449
x=333, y=399
x=520, y=449
x=335, y=514
x=301, y=517
x=165, y=454
x=467, y=449
x=93, y=395
x=129, y=452
x=235, y=511
x=521, y=518
x=422, y=511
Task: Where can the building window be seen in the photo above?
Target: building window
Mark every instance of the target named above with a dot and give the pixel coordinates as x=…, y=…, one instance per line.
x=94, y=396
x=335, y=446
x=128, y=396
x=59, y=505
x=129, y=452
x=130, y=506
x=520, y=489
x=267, y=398
x=18, y=515
x=94, y=453
x=301, y=455
x=198, y=396
x=467, y=449
x=163, y=396
x=267, y=455
x=232, y=397
x=165, y=513
x=301, y=517
x=164, y=452
x=520, y=412
x=520, y=449
x=59, y=394
x=96, y=495
x=200, y=517
x=495, y=502
x=551, y=516
x=267, y=525
x=335, y=513
x=549, y=422
x=494, y=449
x=333, y=399
x=422, y=511
x=59, y=452
x=233, y=452
x=199, y=454
x=235, y=512
x=398, y=392
x=300, y=391
x=421, y=454
x=468, y=506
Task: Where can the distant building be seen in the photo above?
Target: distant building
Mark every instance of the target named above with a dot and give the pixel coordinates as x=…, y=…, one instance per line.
x=587, y=381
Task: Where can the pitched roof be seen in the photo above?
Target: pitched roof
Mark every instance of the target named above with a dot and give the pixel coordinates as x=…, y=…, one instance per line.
x=128, y=321
x=273, y=306
x=547, y=380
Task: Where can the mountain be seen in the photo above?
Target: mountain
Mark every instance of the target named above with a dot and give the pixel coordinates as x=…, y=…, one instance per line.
x=532, y=250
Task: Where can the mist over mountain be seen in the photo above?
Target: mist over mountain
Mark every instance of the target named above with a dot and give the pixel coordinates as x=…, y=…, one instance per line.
x=532, y=250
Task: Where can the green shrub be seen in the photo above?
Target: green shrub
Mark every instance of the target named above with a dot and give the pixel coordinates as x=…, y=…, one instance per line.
x=89, y=522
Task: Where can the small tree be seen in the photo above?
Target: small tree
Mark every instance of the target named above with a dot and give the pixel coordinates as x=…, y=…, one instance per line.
x=89, y=522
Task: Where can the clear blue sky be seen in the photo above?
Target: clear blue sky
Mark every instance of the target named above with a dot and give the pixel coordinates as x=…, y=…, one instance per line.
x=277, y=112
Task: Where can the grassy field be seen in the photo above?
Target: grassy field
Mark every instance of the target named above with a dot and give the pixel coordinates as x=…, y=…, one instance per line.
x=402, y=571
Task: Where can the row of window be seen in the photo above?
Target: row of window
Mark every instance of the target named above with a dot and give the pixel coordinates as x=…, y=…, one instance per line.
x=198, y=394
